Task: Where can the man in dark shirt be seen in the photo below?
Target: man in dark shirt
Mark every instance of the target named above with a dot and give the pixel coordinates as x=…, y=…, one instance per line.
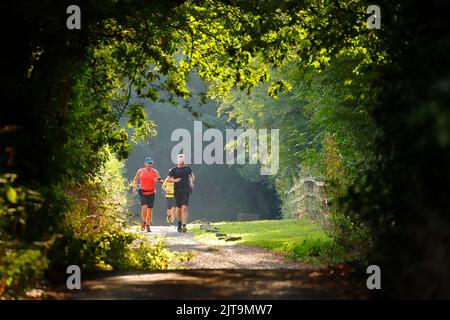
x=184, y=179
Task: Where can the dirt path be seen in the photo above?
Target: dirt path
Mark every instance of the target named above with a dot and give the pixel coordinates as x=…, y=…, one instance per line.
x=222, y=271
x=223, y=255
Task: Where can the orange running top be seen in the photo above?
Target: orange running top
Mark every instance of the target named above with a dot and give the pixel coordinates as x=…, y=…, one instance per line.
x=148, y=179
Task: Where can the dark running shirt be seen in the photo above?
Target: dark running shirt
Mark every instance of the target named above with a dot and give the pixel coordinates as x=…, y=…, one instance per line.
x=183, y=173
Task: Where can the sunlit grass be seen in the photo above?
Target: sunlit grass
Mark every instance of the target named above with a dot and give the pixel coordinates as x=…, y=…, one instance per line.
x=301, y=240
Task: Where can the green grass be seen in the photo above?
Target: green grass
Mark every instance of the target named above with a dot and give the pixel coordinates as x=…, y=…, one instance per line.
x=300, y=240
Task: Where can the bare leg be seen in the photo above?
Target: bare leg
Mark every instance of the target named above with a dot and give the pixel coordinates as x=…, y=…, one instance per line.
x=149, y=216
x=184, y=210
x=179, y=214
x=143, y=214
x=172, y=214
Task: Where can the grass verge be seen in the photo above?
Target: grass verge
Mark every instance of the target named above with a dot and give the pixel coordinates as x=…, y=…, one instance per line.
x=300, y=240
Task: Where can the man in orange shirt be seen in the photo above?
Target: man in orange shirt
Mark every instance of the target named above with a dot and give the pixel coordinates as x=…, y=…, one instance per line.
x=147, y=177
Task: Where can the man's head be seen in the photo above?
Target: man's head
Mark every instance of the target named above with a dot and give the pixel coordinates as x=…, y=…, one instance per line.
x=148, y=163
x=181, y=159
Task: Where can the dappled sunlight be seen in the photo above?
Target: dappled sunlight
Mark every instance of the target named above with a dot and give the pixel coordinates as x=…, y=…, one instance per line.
x=292, y=136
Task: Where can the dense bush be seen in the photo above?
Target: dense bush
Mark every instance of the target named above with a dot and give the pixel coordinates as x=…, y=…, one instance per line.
x=20, y=269
x=22, y=263
x=91, y=232
x=94, y=227
x=403, y=200
x=111, y=249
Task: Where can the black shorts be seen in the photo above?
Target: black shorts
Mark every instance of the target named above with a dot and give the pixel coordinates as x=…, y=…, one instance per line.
x=171, y=202
x=182, y=198
x=147, y=199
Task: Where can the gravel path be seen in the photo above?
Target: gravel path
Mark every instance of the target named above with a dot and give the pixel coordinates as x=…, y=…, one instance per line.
x=221, y=255
x=223, y=270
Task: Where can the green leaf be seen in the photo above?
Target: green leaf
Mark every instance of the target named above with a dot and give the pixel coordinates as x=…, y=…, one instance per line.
x=11, y=194
x=136, y=116
x=279, y=86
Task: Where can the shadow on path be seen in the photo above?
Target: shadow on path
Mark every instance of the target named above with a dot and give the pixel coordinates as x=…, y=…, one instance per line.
x=230, y=271
x=206, y=285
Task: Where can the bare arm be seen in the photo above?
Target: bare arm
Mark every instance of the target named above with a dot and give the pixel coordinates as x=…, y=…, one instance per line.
x=158, y=178
x=135, y=180
x=191, y=180
x=172, y=179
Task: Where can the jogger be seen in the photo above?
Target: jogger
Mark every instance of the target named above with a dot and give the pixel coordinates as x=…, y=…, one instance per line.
x=147, y=177
x=168, y=188
x=184, y=179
